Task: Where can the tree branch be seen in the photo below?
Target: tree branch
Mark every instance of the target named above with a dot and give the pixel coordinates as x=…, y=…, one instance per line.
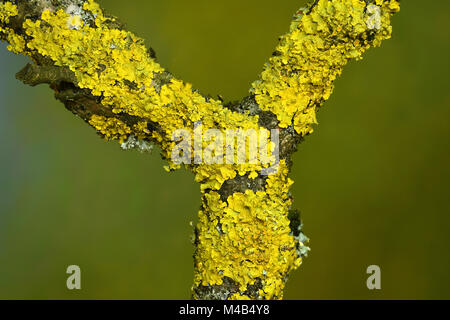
x=248, y=239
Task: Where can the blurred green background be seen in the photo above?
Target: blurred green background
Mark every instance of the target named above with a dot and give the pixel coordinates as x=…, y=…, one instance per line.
x=372, y=182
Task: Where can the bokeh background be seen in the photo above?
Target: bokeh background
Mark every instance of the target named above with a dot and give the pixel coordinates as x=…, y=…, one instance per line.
x=372, y=182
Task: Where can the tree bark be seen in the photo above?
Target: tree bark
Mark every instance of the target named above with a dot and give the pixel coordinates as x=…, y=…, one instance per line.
x=248, y=238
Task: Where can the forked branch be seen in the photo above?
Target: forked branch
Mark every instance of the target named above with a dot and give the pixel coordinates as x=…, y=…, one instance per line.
x=248, y=238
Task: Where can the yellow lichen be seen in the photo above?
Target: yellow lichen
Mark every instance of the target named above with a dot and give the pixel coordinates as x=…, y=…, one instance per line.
x=300, y=76
x=7, y=10
x=16, y=43
x=246, y=237
x=115, y=65
x=238, y=296
x=111, y=128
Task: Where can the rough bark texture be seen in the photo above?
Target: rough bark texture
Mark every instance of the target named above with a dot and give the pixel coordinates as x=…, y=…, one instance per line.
x=248, y=239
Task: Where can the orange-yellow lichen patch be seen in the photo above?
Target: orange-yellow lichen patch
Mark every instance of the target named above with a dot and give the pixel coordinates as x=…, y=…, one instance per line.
x=115, y=65
x=7, y=10
x=300, y=76
x=16, y=43
x=248, y=238
x=110, y=128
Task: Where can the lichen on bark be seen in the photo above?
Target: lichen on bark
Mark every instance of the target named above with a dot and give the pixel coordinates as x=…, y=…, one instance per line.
x=249, y=237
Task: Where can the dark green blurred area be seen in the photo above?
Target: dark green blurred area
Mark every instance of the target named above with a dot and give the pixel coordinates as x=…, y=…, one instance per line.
x=372, y=182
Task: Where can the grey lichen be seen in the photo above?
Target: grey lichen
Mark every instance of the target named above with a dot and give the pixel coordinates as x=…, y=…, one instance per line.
x=134, y=143
x=296, y=227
